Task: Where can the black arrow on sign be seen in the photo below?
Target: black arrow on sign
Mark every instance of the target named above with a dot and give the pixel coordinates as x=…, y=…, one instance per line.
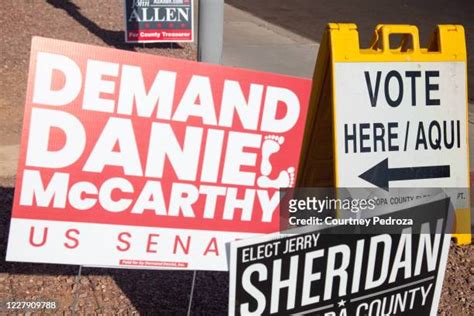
x=380, y=175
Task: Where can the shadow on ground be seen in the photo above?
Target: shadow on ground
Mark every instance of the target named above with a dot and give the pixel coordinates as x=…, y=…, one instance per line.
x=309, y=17
x=148, y=290
x=111, y=38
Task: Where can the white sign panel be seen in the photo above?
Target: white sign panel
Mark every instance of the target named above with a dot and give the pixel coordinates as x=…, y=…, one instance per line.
x=401, y=124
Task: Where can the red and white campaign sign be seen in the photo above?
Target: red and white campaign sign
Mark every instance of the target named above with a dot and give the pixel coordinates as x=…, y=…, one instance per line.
x=133, y=160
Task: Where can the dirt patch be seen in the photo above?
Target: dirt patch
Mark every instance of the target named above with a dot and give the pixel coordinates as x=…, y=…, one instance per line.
x=83, y=21
x=458, y=288
x=114, y=291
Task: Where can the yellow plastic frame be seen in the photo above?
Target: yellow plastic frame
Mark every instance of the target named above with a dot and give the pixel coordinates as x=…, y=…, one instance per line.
x=340, y=43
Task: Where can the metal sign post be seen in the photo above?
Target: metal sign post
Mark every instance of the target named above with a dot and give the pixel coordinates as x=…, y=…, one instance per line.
x=209, y=50
x=191, y=294
x=210, y=31
x=77, y=284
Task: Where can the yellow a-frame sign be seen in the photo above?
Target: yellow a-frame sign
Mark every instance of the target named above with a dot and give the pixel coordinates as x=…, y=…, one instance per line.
x=390, y=117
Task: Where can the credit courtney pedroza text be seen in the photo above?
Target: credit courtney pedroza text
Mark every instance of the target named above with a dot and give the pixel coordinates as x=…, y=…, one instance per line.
x=326, y=204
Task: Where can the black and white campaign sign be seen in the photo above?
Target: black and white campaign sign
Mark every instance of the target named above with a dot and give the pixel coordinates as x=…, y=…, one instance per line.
x=332, y=274
x=401, y=124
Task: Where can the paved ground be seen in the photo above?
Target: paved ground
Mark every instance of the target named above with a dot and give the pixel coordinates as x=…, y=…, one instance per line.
x=250, y=42
x=265, y=39
x=308, y=18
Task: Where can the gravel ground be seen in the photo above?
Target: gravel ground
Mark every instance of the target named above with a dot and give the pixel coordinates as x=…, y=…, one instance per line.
x=83, y=21
x=109, y=291
x=115, y=291
x=458, y=288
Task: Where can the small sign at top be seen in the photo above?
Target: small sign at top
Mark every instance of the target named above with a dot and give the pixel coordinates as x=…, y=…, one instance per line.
x=149, y=21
